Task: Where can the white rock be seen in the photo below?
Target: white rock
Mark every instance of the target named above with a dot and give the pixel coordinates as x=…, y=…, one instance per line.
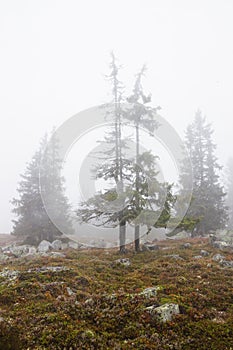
x=226, y=263
x=89, y=301
x=164, y=312
x=150, y=292
x=149, y=247
x=218, y=257
x=221, y=233
x=222, y=239
x=10, y=274
x=45, y=269
x=32, y=250
x=7, y=249
x=204, y=252
x=44, y=246
x=57, y=244
x=19, y=250
x=123, y=261
x=70, y=292
x=187, y=245
x=64, y=246
x=220, y=245
x=22, y=250
x=73, y=245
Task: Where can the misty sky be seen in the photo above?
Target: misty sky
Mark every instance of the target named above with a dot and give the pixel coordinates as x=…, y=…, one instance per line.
x=54, y=55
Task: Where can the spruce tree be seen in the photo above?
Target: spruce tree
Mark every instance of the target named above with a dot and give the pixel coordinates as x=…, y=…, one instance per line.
x=116, y=138
x=137, y=197
x=142, y=116
x=208, y=204
x=113, y=165
x=151, y=201
x=42, y=174
x=229, y=190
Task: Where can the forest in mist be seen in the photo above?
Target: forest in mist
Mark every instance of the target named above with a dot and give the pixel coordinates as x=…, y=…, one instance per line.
x=116, y=182
x=134, y=195
x=51, y=72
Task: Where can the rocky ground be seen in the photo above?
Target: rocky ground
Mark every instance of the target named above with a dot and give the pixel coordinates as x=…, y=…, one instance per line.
x=177, y=295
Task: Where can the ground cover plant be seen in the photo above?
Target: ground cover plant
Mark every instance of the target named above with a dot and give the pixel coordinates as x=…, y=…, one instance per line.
x=88, y=300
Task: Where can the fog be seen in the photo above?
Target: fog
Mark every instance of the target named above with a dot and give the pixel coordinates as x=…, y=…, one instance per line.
x=54, y=55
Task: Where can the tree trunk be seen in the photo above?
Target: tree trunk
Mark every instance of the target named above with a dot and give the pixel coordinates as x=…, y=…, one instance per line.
x=122, y=234
x=137, y=238
x=137, y=227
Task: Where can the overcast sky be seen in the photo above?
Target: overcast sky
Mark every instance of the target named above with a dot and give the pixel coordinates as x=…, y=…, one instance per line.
x=54, y=54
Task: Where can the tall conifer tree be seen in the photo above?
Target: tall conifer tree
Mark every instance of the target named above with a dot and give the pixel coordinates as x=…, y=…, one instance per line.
x=208, y=203
x=42, y=174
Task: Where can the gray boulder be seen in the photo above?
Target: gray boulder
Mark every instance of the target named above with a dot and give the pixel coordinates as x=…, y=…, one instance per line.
x=9, y=274
x=123, y=262
x=164, y=312
x=64, y=246
x=145, y=248
x=8, y=249
x=73, y=245
x=45, y=269
x=222, y=236
x=220, y=245
x=198, y=257
x=204, y=252
x=21, y=250
x=226, y=263
x=150, y=292
x=187, y=245
x=57, y=244
x=149, y=247
x=70, y=292
x=32, y=250
x=44, y=246
x=218, y=257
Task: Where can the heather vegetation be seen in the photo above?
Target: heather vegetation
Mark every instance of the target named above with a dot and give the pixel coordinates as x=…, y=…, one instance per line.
x=91, y=300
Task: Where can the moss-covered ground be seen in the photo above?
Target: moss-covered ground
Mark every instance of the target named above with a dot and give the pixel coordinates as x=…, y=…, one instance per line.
x=93, y=303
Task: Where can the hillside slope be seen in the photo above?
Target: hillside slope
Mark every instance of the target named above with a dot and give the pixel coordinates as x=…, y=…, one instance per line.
x=89, y=300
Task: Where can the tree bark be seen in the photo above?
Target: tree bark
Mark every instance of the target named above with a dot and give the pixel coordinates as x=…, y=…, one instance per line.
x=137, y=227
x=137, y=238
x=122, y=235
